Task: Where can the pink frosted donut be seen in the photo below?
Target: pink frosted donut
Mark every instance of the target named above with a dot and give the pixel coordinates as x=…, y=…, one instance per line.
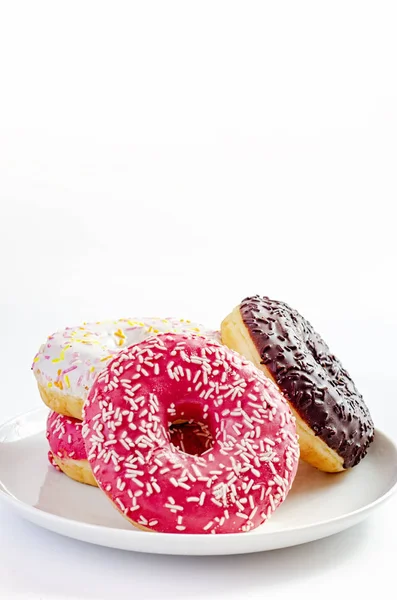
x=235, y=484
x=67, y=451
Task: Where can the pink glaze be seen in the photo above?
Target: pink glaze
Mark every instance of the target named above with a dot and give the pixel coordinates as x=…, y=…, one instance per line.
x=64, y=435
x=233, y=486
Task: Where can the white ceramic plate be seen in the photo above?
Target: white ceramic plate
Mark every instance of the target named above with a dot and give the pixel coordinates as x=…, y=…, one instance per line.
x=317, y=506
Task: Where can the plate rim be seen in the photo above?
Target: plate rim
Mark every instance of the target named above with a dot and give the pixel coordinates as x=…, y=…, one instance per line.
x=23, y=507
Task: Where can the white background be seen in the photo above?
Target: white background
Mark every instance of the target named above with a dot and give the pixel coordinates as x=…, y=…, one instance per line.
x=173, y=158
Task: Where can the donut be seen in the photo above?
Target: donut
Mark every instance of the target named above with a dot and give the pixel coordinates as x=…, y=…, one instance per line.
x=68, y=363
x=68, y=454
x=235, y=484
x=334, y=424
x=67, y=451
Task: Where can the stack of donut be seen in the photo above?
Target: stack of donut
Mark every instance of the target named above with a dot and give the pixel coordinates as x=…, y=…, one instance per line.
x=65, y=368
x=188, y=430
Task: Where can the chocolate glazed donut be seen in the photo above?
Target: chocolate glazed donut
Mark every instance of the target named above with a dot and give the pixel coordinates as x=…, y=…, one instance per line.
x=334, y=424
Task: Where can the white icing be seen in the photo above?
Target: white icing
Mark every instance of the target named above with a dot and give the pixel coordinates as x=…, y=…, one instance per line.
x=71, y=359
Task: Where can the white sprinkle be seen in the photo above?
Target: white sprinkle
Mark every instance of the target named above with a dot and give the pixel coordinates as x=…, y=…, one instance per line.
x=124, y=443
x=202, y=498
x=184, y=356
x=236, y=429
x=215, y=501
x=137, y=482
x=208, y=526
x=153, y=522
x=120, y=503
x=156, y=486
x=184, y=485
x=196, y=470
x=173, y=507
x=249, y=485
x=135, y=388
x=268, y=441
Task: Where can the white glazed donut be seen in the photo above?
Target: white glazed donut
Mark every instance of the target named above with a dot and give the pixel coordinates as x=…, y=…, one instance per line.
x=66, y=366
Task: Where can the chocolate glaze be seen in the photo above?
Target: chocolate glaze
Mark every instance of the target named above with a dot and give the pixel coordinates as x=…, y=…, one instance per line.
x=310, y=376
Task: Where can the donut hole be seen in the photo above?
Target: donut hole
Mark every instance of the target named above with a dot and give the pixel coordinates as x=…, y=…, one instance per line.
x=191, y=437
x=190, y=426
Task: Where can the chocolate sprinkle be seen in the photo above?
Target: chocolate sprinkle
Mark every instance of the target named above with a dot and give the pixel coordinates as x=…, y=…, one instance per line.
x=310, y=376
